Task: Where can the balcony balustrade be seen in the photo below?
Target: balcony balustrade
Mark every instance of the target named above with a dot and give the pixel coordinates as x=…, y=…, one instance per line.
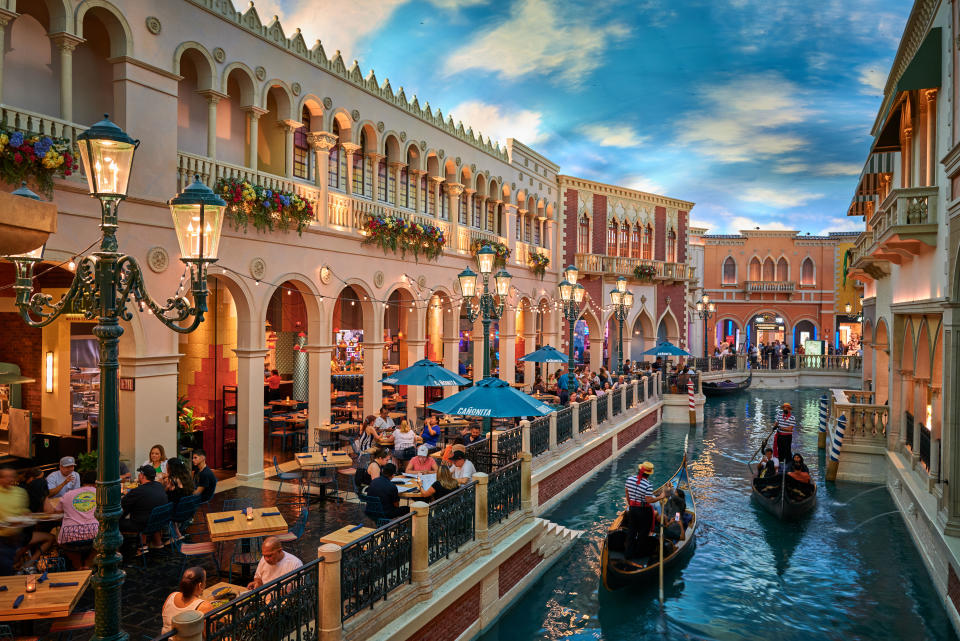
x=769, y=286
x=905, y=225
x=625, y=266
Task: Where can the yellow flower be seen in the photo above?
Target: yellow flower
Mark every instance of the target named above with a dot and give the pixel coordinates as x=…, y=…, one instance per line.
x=4, y=139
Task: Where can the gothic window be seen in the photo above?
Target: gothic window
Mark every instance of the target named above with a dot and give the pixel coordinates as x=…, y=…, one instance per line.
x=301, y=149
x=404, y=188
x=729, y=271
x=625, y=239
x=635, y=241
x=783, y=271
x=755, y=269
x=612, y=238
x=647, y=243
x=583, y=236
x=806, y=272
x=768, y=270
x=383, y=183
x=426, y=197
x=671, y=246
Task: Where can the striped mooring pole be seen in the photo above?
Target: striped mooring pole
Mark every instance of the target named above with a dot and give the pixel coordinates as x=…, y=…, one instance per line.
x=824, y=409
x=693, y=403
x=834, y=462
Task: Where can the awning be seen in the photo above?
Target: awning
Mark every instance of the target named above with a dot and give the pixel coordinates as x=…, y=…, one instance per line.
x=863, y=205
x=880, y=165
x=924, y=70
x=15, y=379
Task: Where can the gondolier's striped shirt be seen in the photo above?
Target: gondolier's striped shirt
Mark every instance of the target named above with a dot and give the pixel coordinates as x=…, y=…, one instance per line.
x=786, y=424
x=638, y=490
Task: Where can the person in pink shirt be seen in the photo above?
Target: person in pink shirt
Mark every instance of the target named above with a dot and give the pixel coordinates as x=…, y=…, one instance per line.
x=422, y=462
x=80, y=524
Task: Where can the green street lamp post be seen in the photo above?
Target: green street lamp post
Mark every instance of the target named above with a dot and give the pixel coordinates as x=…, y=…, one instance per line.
x=487, y=308
x=705, y=310
x=571, y=295
x=105, y=284
x=622, y=302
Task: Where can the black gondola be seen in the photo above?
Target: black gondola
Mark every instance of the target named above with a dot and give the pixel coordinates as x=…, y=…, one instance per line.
x=616, y=571
x=785, y=498
x=723, y=388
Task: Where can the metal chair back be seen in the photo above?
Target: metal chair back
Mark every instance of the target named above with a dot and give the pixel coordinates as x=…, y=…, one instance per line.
x=186, y=508
x=159, y=519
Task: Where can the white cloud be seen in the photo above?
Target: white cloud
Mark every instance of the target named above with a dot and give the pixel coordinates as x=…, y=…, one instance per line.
x=490, y=120
x=702, y=224
x=823, y=169
x=339, y=24
x=851, y=223
x=778, y=196
x=456, y=4
x=642, y=183
x=613, y=135
x=872, y=80
x=538, y=37
x=738, y=223
x=746, y=119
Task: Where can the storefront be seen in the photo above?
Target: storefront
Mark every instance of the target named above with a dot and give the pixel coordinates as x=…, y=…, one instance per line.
x=766, y=328
x=849, y=332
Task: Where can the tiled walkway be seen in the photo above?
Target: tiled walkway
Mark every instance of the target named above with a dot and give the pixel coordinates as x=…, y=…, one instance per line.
x=146, y=589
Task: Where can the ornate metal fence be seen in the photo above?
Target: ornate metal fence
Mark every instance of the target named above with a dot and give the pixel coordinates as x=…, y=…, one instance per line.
x=510, y=442
x=925, y=446
x=451, y=522
x=503, y=493
x=488, y=462
x=539, y=435
x=601, y=409
x=283, y=610
x=617, y=402
x=475, y=450
x=629, y=393
x=908, y=429
x=564, y=425
x=649, y=387
x=586, y=416
x=376, y=564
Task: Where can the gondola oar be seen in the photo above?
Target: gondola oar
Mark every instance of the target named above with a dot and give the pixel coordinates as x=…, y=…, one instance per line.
x=762, y=447
x=663, y=506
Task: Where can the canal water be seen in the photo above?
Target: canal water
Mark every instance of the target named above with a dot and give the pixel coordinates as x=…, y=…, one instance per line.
x=842, y=573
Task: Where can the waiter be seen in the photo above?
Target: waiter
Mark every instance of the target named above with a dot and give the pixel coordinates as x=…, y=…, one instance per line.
x=785, y=423
x=640, y=514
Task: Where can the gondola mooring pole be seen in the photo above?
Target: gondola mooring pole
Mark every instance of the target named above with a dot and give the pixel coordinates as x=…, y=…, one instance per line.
x=693, y=403
x=663, y=506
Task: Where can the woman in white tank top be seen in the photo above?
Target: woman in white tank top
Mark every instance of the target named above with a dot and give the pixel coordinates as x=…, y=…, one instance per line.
x=186, y=598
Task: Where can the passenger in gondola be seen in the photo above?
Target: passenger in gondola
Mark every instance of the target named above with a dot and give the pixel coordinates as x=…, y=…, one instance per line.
x=640, y=515
x=768, y=479
x=798, y=479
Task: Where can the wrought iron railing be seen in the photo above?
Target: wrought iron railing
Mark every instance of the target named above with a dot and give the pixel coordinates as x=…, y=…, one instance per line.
x=285, y=609
x=488, y=462
x=510, y=442
x=564, y=425
x=908, y=428
x=451, y=522
x=503, y=493
x=617, y=401
x=925, y=446
x=628, y=391
x=539, y=435
x=650, y=387
x=601, y=409
x=478, y=448
x=586, y=416
x=372, y=566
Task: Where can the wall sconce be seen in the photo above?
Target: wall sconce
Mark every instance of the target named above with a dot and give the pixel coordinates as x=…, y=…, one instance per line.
x=49, y=377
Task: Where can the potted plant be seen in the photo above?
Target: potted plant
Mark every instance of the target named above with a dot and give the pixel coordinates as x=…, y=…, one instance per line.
x=502, y=251
x=644, y=272
x=187, y=435
x=538, y=263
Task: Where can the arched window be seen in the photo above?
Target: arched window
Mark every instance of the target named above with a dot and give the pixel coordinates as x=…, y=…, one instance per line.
x=444, y=204
x=491, y=215
x=427, y=204
x=337, y=171
x=625, y=239
x=583, y=236
x=301, y=150
x=671, y=246
x=768, y=270
x=536, y=232
x=612, y=238
x=518, y=232
x=635, y=241
x=755, y=269
x=729, y=271
x=783, y=270
x=647, y=243
x=464, y=208
x=478, y=211
x=384, y=183
x=404, y=200
x=806, y=272
x=528, y=228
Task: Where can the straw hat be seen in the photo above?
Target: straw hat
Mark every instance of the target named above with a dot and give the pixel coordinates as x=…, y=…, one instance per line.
x=646, y=467
x=787, y=406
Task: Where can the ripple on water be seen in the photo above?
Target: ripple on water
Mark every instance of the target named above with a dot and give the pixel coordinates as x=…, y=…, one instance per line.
x=751, y=576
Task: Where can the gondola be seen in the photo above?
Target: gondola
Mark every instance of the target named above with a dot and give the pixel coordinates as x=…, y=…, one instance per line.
x=616, y=571
x=725, y=388
x=787, y=507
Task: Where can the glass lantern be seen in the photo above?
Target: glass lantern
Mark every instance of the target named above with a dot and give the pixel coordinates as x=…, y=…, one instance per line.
x=107, y=155
x=198, y=220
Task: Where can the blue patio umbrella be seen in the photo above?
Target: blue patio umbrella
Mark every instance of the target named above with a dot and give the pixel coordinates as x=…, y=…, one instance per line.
x=546, y=354
x=492, y=398
x=425, y=373
x=666, y=348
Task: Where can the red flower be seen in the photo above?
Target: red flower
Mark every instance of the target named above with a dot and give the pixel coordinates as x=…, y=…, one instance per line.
x=17, y=157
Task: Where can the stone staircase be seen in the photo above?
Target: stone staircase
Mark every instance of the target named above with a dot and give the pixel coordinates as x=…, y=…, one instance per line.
x=553, y=538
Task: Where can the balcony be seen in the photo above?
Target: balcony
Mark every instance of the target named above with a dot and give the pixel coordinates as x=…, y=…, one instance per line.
x=769, y=287
x=624, y=266
x=905, y=225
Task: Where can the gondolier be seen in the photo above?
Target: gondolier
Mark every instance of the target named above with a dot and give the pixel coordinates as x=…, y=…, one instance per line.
x=786, y=423
x=640, y=500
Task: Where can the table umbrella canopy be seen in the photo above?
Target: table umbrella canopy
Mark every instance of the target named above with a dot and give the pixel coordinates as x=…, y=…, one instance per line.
x=492, y=398
x=425, y=373
x=666, y=348
x=546, y=354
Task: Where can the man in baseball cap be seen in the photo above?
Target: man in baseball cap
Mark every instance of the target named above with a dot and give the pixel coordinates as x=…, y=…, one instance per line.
x=64, y=479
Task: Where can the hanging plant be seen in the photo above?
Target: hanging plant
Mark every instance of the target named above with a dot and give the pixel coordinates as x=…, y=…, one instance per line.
x=25, y=157
x=501, y=250
x=393, y=233
x=644, y=272
x=266, y=209
x=538, y=263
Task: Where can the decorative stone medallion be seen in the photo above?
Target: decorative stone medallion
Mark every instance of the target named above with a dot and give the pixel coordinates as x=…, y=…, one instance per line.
x=260, y=72
x=153, y=25
x=458, y=161
x=296, y=88
x=441, y=153
x=258, y=267
x=219, y=54
x=423, y=145
x=325, y=275
x=355, y=114
x=473, y=167
x=328, y=102
x=378, y=280
x=422, y=281
x=380, y=126
x=157, y=259
x=403, y=136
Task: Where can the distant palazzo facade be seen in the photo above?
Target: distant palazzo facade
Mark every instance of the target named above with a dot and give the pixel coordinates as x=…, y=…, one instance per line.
x=772, y=285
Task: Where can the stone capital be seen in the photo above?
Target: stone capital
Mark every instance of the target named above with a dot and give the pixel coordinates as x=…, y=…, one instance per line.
x=253, y=111
x=469, y=192
x=64, y=41
x=417, y=172
x=455, y=188
x=437, y=179
x=290, y=125
x=211, y=95
x=397, y=165
x=375, y=157
x=322, y=140
x=350, y=148
x=930, y=95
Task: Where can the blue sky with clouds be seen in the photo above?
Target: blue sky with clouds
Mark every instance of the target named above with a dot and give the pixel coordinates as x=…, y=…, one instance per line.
x=759, y=111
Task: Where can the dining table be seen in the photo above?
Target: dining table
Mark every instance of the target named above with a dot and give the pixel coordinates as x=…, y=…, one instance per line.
x=346, y=535
x=56, y=596
x=219, y=593
x=229, y=526
x=285, y=403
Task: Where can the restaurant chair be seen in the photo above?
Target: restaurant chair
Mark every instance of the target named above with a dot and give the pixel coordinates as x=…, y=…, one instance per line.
x=279, y=429
x=287, y=476
x=63, y=628
x=296, y=531
x=190, y=551
x=184, y=512
x=246, y=553
x=374, y=510
x=158, y=521
x=6, y=634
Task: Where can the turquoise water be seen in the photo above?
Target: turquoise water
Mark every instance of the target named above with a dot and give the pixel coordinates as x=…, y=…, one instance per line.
x=751, y=576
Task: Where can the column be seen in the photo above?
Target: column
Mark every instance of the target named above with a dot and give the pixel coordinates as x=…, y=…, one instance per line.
x=372, y=373
x=6, y=17
x=451, y=360
x=508, y=350
x=249, y=413
x=919, y=414
x=469, y=213
x=550, y=241
x=419, y=195
x=148, y=414
x=349, y=148
x=322, y=142
x=395, y=168
x=435, y=187
x=66, y=43
x=213, y=97
x=329, y=622
x=509, y=218
x=253, y=119
x=480, y=522
x=930, y=157
x=318, y=400
x=477, y=362
x=415, y=352
x=288, y=126
x=420, y=547
x=951, y=416
x=453, y=194
x=530, y=340
x=375, y=164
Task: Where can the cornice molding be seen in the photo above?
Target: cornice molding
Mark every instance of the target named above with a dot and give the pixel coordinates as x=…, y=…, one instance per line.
x=573, y=182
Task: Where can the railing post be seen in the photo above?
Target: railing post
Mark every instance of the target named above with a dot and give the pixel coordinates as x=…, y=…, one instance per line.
x=593, y=413
x=189, y=626
x=636, y=392
x=480, y=520
x=575, y=420
x=329, y=622
x=623, y=402
x=643, y=388
x=526, y=482
x=494, y=441
x=608, y=399
x=525, y=436
x=420, y=554
x=553, y=433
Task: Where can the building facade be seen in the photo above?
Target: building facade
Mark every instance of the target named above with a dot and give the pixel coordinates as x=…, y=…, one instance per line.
x=217, y=93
